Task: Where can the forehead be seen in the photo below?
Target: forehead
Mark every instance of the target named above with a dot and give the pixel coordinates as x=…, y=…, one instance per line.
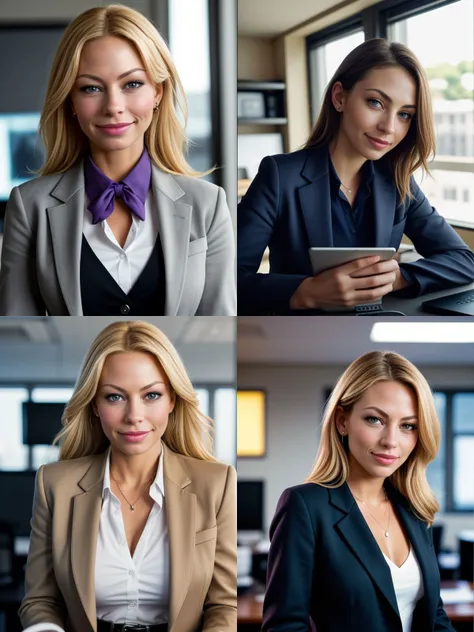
x=390, y=396
x=109, y=55
x=395, y=81
x=132, y=364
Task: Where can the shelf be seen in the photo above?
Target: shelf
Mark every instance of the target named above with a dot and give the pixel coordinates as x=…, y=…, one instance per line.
x=262, y=121
x=260, y=85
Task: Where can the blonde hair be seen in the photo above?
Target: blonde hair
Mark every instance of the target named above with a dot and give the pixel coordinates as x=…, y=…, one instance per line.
x=62, y=136
x=331, y=467
x=419, y=144
x=188, y=430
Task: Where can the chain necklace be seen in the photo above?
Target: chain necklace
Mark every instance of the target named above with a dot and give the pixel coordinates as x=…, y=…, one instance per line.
x=132, y=507
x=347, y=188
x=387, y=530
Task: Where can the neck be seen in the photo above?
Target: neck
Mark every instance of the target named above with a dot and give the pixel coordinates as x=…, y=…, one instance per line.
x=134, y=471
x=347, y=163
x=365, y=487
x=117, y=164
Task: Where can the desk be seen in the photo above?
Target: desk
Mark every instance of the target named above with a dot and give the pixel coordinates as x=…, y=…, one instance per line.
x=412, y=306
x=250, y=609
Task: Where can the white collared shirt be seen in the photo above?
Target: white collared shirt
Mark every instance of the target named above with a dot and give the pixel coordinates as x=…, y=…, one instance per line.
x=130, y=589
x=124, y=264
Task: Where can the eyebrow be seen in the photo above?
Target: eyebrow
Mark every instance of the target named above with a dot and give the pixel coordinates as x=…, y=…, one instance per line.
x=124, y=74
x=122, y=390
x=385, y=96
x=384, y=414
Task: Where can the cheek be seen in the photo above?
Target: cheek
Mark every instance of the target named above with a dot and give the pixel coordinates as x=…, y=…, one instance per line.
x=110, y=417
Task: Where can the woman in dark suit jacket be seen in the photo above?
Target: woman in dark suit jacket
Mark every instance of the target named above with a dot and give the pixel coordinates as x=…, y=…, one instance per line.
x=117, y=223
x=135, y=527
x=351, y=186
x=352, y=548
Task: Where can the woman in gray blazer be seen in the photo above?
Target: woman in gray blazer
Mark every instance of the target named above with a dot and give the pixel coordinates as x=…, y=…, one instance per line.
x=118, y=222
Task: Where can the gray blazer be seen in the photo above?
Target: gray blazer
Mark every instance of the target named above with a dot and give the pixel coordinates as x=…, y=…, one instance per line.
x=40, y=267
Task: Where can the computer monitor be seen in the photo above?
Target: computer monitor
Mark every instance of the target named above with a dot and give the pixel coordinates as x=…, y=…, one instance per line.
x=16, y=500
x=21, y=150
x=250, y=505
x=41, y=422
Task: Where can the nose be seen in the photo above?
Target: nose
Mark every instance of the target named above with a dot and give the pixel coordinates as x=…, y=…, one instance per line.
x=134, y=412
x=386, y=122
x=114, y=102
x=389, y=437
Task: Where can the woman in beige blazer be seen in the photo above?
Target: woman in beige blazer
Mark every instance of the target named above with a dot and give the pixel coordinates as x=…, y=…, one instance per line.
x=135, y=527
x=117, y=222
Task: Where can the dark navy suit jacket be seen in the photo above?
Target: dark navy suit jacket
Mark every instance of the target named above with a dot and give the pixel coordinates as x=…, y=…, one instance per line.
x=325, y=565
x=288, y=209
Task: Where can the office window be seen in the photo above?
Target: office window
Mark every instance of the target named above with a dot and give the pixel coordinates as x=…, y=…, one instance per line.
x=189, y=46
x=13, y=454
x=218, y=402
x=251, y=423
x=463, y=440
x=450, y=73
x=465, y=195
x=436, y=473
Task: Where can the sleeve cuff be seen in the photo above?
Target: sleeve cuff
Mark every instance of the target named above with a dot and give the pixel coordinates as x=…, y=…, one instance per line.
x=44, y=627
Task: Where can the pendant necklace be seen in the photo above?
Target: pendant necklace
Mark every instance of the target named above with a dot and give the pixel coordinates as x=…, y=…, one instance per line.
x=387, y=530
x=132, y=507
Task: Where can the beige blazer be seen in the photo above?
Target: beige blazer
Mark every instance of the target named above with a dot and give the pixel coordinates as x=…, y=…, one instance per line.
x=40, y=267
x=201, y=510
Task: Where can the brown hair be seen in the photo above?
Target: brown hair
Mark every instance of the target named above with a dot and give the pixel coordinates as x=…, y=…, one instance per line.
x=418, y=145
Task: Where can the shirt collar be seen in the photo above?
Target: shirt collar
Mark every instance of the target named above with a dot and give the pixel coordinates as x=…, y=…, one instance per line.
x=157, y=489
x=367, y=173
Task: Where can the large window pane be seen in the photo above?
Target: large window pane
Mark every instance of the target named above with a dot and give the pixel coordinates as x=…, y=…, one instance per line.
x=42, y=454
x=225, y=440
x=463, y=412
x=450, y=74
x=189, y=45
x=436, y=469
x=13, y=454
x=463, y=473
x=324, y=61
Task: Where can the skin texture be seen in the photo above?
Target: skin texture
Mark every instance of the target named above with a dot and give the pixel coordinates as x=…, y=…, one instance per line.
x=127, y=406
x=364, y=112
x=111, y=99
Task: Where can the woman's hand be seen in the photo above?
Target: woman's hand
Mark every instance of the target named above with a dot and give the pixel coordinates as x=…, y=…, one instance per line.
x=357, y=282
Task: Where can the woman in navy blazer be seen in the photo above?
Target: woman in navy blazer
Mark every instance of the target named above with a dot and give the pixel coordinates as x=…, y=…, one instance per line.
x=351, y=186
x=352, y=548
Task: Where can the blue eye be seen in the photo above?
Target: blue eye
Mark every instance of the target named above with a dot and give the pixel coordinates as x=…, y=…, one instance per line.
x=410, y=427
x=113, y=397
x=374, y=101
x=153, y=396
x=408, y=116
x=135, y=84
x=89, y=89
x=371, y=419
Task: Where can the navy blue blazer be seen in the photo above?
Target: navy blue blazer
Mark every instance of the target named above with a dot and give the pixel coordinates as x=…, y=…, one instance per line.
x=288, y=209
x=325, y=565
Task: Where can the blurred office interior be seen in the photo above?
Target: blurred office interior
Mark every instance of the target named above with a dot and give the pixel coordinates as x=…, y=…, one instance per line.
x=286, y=368
x=41, y=358
x=201, y=35
x=288, y=52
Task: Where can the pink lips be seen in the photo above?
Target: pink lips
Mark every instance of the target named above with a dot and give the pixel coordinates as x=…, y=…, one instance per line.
x=114, y=130
x=379, y=144
x=384, y=459
x=134, y=437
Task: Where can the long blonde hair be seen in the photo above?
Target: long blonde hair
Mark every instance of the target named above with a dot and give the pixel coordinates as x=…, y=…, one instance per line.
x=64, y=140
x=188, y=430
x=419, y=144
x=331, y=467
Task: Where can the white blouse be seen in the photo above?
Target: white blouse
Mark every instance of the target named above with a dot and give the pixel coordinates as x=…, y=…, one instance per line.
x=124, y=264
x=408, y=585
x=130, y=589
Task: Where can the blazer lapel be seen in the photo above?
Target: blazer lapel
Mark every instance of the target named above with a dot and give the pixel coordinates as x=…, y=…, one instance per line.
x=175, y=226
x=65, y=222
x=180, y=512
x=358, y=537
x=315, y=199
x=85, y=529
x=385, y=198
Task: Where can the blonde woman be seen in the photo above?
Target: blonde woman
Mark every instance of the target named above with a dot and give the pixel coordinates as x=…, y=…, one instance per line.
x=134, y=528
x=351, y=186
x=352, y=548
x=118, y=222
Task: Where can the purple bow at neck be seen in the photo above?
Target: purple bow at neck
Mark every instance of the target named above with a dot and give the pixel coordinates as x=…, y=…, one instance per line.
x=102, y=191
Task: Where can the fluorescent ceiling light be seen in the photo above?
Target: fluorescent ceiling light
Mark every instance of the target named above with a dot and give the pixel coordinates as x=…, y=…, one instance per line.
x=423, y=332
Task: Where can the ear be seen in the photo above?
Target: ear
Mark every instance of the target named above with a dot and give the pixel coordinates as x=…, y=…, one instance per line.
x=159, y=93
x=338, y=96
x=341, y=420
x=172, y=402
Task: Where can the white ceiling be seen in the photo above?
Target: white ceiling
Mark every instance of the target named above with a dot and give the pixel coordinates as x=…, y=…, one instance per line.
x=270, y=18
x=333, y=341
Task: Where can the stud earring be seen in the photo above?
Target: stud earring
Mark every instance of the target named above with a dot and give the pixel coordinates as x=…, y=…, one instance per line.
x=156, y=107
x=74, y=115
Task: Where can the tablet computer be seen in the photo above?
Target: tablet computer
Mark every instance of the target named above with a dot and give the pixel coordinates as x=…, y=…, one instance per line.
x=326, y=258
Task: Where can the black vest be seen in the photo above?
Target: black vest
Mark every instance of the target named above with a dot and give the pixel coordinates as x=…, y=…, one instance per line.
x=102, y=296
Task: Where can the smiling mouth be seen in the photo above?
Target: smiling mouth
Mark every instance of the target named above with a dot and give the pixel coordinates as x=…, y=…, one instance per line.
x=378, y=140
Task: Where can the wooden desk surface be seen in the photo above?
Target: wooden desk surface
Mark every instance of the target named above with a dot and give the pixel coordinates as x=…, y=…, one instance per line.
x=250, y=609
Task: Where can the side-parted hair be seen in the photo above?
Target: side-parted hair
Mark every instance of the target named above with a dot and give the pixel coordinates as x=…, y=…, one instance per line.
x=188, y=431
x=62, y=136
x=418, y=145
x=331, y=468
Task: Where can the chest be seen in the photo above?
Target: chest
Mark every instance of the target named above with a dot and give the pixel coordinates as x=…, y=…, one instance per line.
x=120, y=221
x=134, y=521
x=396, y=546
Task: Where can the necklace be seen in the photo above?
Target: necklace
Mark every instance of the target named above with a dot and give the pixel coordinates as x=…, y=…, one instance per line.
x=132, y=507
x=347, y=188
x=387, y=530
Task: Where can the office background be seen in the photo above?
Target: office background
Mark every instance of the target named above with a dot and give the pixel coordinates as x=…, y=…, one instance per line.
x=287, y=52
x=201, y=35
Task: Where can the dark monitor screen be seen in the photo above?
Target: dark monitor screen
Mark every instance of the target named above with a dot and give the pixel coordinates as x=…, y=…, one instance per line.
x=41, y=422
x=16, y=500
x=250, y=505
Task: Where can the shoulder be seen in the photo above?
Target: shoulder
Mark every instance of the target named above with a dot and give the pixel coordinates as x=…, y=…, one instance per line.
x=198, y=191
x=293, y=161
x=62, y=473
x=309, y=494
x=42, y=184
x=197, y=468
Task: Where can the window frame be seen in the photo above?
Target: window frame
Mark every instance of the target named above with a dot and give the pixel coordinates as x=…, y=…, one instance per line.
x=374, y=22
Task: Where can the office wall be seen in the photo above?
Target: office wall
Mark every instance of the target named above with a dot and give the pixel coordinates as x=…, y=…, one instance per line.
x=294, y=406
x=52, y=10
x=256, y=59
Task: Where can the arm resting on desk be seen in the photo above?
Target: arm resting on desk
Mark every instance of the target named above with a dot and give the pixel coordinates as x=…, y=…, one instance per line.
x=43, y=601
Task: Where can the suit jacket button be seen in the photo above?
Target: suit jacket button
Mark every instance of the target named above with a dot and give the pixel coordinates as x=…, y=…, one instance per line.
x=125, y=309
